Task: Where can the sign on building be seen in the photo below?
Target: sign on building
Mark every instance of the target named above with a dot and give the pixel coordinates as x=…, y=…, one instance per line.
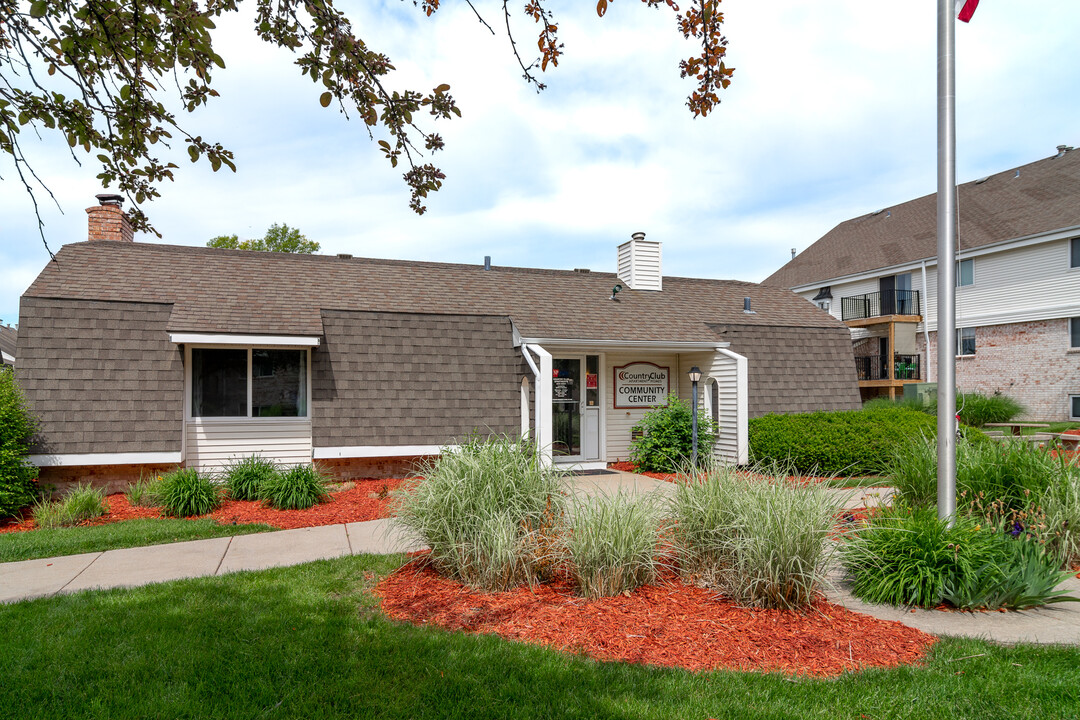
x=641, y=385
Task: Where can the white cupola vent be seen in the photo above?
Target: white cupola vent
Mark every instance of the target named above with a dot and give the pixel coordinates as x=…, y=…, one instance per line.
x=639, y=263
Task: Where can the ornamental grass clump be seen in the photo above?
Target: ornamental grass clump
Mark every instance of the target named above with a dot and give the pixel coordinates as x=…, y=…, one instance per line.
x=297, y=488
x=83, y=502
x=144, y=492
x=614, y=543
x=491, y=513
x=755, y=536
x=909, y=557
x=1061, y=508
x=245, y=478
x=186, y=493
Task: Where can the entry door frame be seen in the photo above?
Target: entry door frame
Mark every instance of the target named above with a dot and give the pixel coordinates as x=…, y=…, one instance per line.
x=586, y=411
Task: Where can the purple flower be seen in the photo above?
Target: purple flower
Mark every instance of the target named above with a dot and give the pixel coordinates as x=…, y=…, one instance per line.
x=1017, y=528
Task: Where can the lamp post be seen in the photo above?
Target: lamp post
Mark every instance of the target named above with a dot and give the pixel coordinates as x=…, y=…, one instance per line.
x=695, y=376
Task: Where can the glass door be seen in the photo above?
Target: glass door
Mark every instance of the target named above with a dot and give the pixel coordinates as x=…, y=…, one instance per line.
x=566, y=407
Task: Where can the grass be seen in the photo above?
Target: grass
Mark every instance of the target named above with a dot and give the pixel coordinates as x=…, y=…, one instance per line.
x=44, y=543
x=297, y=488
x=83, y=502
x=307, y=642
x=614, y=545
x=245, y=477
x=184, y=493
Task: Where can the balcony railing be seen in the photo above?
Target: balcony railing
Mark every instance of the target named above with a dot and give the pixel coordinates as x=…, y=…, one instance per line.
x=871, y=305
x=875, y=367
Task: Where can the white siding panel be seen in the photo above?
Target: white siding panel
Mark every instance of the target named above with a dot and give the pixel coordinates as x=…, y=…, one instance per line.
x=213, y=445
x=619, y=422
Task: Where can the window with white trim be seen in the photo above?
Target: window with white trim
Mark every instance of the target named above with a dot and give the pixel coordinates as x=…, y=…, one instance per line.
x=1074, y=252
x=965, y=341
x=1074, y=407
x=965, y=272
x=248, y=382
x=1074, y=332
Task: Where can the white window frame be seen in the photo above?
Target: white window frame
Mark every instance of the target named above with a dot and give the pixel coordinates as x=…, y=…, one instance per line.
x=960, y=342
x=959, y=273
x=1074, y=253
x=1074, y=332
x=188, y=385
x=1072, y=399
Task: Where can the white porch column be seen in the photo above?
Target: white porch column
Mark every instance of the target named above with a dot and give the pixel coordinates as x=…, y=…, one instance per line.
x=742, y=406
x=542, y=393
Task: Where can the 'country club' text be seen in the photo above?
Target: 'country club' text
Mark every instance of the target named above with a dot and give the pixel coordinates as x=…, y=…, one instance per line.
x=641, y=385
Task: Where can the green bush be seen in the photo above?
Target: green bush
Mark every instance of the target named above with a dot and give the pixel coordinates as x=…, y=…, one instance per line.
x=17, y=475
x=910, y=557
x=614, y=543
x=667, y=437
x=245, y=478
x=83, y=502
x=185, y=493
x=976, y=409
x=491, y=513
x=298, y=488
x=851, y=442
x=756, y=537
x=144, y=492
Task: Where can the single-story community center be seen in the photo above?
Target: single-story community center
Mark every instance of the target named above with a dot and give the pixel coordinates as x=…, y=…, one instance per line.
x=136, y=357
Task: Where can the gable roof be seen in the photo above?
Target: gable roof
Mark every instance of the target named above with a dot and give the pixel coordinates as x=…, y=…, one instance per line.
x=1031, y=200
x=8, y=336
x=248, y=292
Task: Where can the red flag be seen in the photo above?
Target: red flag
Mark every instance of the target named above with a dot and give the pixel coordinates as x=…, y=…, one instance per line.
x=965, y=9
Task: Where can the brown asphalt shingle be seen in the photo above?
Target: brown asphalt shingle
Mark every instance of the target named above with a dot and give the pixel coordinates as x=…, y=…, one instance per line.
x=1043, y=197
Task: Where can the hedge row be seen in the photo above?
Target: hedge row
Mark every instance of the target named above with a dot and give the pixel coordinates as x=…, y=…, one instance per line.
x=852, y=442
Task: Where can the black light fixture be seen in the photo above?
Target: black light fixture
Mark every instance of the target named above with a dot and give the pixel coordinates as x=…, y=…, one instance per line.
x=616, y=290
x=695, y=377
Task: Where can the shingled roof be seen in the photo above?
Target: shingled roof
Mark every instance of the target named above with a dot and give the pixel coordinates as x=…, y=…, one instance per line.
x=1030, y=200
x=245, y=292
x=8, y=336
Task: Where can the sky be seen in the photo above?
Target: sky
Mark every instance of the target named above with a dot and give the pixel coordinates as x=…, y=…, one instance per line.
x=831, y=114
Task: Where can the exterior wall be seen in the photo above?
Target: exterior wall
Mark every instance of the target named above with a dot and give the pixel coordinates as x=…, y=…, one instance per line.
x=396, y=379
x=795, y=369
x=374, y=468
x=213, y=443
x=101, y=377
x=111, y=478
x=1031, y=362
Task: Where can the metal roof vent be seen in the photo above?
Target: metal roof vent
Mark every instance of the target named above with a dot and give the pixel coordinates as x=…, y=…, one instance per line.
x=582, y=270
x=487, y=262
x=639, y=263
x=746, y=307
x=981, y=180
x=344, y=256
x=1062, y=149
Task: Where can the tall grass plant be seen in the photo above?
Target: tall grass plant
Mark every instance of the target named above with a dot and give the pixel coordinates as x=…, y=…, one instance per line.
x=186, y=493
x=614, y=543
x=83, y=502
x=297, y=488
x=246, y=477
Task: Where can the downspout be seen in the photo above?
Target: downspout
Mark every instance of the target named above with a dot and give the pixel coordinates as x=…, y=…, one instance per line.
x=925, y=322
x=542, y=395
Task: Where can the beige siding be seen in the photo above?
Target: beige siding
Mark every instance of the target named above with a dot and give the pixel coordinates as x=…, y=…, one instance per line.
x=618, y=422
x=211, y=445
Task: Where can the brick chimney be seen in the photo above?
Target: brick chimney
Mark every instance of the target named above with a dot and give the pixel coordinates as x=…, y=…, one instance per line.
x=108, y=221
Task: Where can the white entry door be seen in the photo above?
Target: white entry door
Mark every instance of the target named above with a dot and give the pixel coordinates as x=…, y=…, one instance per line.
x=575, y=408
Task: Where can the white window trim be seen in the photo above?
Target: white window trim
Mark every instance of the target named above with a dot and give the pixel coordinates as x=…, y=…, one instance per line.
x=1072, y=396
x=189, y=418
x=1072, y=322
x=959, y=264
x=959, y=342
x=254, y=340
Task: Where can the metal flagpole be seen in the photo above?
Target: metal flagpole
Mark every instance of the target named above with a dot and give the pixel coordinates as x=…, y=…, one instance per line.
x=946, y=267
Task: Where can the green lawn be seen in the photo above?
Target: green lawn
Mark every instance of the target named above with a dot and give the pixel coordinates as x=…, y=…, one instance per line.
x=42, y=543
x=307, y=642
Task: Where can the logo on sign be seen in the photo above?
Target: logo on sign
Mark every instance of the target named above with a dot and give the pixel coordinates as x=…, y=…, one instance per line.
x=641, y=385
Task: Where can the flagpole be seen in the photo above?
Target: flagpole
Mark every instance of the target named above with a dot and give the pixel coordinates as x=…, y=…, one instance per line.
x=946, y=268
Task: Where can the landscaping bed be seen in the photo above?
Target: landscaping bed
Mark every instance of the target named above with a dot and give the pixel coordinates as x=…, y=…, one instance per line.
x=355, y=502
x=668, y=623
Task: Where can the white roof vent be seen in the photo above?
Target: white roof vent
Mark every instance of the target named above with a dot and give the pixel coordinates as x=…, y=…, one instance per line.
x=639, y=263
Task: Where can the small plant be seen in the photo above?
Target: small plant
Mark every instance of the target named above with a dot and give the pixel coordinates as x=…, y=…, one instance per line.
x=245, y=478
x=490, y=512
x=185, y=493
x=297, y=488
x=16, y=427
x=755, y=536
x=1061, y=505
x=144, y=492
x=83, y=502
x=613, y=545
x=666, y=441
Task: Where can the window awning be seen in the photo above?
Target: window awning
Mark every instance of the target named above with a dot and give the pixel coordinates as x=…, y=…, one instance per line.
x=224, y=339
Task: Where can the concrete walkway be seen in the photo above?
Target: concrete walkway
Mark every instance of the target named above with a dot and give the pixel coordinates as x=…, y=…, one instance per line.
x=199, y=558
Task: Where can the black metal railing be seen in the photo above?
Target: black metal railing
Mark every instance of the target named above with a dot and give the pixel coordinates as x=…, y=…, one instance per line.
x=871, y=305
x=875, y=367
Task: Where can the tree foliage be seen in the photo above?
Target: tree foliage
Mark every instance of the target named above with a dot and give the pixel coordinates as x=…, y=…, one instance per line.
x=16, y=427
x=279, y=238
x=113, y=79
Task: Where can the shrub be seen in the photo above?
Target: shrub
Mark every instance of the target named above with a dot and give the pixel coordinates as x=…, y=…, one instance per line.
x=185, y=493
x=1012, y=474
x=976, y=409
x=245, y=478
x=613, y=545
x=83, y=502
x=490, y=512
x=667, y=437
x=757, y=537
x=144, y=492
x=910, y=557
x=16, y=427
x=851, y=442
x=297, y=488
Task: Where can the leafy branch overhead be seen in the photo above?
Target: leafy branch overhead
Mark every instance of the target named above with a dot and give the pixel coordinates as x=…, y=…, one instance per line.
x=113, y=78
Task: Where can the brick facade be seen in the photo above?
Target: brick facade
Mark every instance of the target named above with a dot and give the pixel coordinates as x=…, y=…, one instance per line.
x=1031, y=362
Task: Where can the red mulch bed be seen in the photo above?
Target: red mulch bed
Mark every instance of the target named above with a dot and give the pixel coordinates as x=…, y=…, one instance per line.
x=355, y=505
x=630, y=467
x=668, y=624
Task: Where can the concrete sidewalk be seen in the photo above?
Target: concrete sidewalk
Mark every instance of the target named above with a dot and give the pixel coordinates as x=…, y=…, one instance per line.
x=130, y=567
x=200, y=558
